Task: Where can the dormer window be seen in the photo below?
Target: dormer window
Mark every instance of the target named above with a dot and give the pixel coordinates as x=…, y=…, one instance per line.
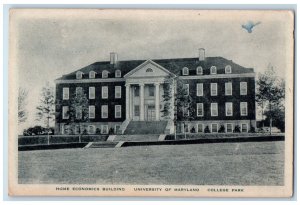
x=105, y=74
x=213, y=70
x=185, y=71
x=149, y=70
x=228, y=69
x=199, y=70
x=92, y=74
x=79, y=75
x=118, y=74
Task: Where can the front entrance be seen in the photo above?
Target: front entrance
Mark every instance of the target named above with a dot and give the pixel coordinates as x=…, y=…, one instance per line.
x=151, y=113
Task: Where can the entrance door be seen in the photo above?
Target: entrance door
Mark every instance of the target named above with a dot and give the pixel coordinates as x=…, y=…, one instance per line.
x=151, y=113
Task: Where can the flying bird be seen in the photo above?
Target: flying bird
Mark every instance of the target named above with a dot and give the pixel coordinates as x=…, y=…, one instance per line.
x=250, y=25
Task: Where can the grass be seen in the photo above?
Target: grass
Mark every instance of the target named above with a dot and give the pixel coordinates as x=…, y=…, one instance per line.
x=251, y=163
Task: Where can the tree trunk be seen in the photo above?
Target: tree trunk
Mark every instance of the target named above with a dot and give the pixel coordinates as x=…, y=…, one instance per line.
x=184, y=130
x=270, y=119
x=262, y=117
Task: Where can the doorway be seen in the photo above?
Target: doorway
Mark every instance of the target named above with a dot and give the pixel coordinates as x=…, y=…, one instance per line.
x=151, y=113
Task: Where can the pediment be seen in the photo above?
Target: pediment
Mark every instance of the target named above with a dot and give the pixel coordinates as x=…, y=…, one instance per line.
x=148, y=69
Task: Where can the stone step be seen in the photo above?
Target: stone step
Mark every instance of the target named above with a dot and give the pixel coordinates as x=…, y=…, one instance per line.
x=103, y=144
x=146, y=127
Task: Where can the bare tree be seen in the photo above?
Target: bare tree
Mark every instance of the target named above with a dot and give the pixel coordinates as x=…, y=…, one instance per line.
x=22, y=102
x=46, y=108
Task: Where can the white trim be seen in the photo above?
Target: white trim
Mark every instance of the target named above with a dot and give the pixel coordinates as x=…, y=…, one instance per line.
x=118, y=87
x=79, y=73
x=211, y=88
x=211, y=68
x=246, y=105
x=66, y=91
x=228, y=67
x=104, y=74
x=230, y=88
x=185, y=71
x=96, y=80
x=65, y=109
x=232, y=128
x=211, y=106
x=92, y=93
x=197, y=70
x=199, y=87
x=202, y=108
x=226, y=107
x=202, y=125
x=102, y=111
x=143, y=64
x=102, y=92
x=241, y=85
x=92, y=111
x=211, y=125
x=119, y=72
x=92, y=74
x=120, y=107
x=102, y=129
x=242, y=127
x=240, y=75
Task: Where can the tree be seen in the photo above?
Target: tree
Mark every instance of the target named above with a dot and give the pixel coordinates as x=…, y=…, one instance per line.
x=270, y=93
x=22, y=102
x=46, y=108
x=78, y=109
x=183, y=105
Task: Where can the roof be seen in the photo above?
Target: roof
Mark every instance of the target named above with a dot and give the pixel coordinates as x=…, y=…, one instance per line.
x=173, y=65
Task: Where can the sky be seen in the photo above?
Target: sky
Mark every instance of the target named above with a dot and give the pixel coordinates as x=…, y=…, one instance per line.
x=50, y=44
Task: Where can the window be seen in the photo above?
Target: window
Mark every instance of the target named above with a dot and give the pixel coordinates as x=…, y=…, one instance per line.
x=79, y=75
x=104, y=129
x=244, y=108
x=228, y=69
x=151, y=90
x=244, y=127
x=200, y=128
x=214, y=127
x=65, y=93
x=91, y=111
x=136, y=110
x=117, y=91
x=78, y=112
x=78, y=91
x=77, y=129
x=117, y=128
x=200, y=109
x=213, y=89
x=104, y=111
x=213, y=70
x=104, y=92
x=92, y=74
x=91, y=129
x=243, y=88
x=214, y=109
x=118, y=74
x=228, y=107
x=228, y=88
x=92, y=92
x=65, y=112
x=199, y=70
x=185, y=71
x=229, y=128
x=136, y=91
x=199, y=89
x=105, y=74
x=149, y=70
x=186, y=88
x=117, y=111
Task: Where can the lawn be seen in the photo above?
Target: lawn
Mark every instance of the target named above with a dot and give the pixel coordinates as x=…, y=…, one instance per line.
x=251, y=163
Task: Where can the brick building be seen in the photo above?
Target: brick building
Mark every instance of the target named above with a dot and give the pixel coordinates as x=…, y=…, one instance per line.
x=122, y=94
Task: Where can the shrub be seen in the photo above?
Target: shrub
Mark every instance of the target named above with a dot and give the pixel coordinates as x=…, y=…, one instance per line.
x=193, y=130
x=98, y=131
x=206, y=130
x=111, y=131
x=237, y=129
x=84, y=132
x=252, y=129
x=221, y=129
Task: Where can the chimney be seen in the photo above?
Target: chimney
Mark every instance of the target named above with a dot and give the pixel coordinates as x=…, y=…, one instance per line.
x=201, y=54
x=113, y=58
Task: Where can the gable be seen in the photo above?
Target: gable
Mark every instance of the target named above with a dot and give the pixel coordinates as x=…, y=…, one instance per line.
x=148, y=69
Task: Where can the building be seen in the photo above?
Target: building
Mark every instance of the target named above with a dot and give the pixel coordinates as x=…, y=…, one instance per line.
x=121, y=93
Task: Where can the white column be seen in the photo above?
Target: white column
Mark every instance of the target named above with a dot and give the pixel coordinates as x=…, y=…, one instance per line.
x=142, y=118
x=127, y=101
x=131, y=103
x=157, y=102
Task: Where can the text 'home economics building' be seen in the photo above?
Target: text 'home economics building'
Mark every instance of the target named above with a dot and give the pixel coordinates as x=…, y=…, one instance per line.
x=128, y=96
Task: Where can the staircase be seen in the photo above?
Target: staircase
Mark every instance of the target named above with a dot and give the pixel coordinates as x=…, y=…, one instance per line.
x=105, y=144
x=145, y=127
